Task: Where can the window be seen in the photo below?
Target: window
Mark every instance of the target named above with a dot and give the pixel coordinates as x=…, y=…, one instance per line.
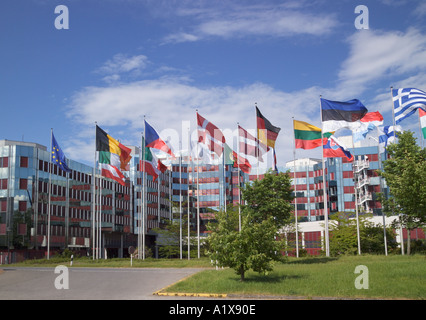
x=24, y=162
x=22, y=206
x=23, y=184
x=4, y=162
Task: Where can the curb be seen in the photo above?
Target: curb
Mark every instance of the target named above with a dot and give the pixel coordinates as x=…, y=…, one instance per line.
x=181, y=294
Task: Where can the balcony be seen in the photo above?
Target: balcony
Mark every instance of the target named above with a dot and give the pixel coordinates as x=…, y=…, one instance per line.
x=362, y=182
x=360, y=165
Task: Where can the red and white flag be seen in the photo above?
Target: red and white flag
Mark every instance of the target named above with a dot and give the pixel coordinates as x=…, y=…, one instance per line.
x=249, y=145
x=210, y=135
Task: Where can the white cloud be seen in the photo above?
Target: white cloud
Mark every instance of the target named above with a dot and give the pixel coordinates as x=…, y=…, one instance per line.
x=375, y=55
x=170, y=103
x=122, y=64
x=240, y=21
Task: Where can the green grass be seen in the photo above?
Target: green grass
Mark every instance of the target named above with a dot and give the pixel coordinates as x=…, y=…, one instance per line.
x=117, y=263
x=392, y=277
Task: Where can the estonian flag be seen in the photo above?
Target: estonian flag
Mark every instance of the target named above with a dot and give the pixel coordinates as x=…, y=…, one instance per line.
x=58, y=157
x=337, y=115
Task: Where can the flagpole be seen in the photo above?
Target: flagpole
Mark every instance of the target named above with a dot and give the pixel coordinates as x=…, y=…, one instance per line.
x=239, y=182
x=326, y=234
x=295, y=191
x=198, y=198
x=394, y=129
x=189, y=213
x=143, y=190
x=50, y=195
x=257, y=150
x=420, y=127
x=180, y=199
x=94, y=200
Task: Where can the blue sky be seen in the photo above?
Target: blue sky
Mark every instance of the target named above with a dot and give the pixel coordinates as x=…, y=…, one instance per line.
x=123, y=59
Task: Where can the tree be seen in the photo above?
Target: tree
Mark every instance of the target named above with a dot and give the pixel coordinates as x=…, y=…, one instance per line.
x=257, y=245
x=343, y=235
x=405, y=175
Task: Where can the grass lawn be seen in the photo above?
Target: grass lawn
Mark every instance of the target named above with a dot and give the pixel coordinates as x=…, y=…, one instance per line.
x=391, y=277
x=117, y=263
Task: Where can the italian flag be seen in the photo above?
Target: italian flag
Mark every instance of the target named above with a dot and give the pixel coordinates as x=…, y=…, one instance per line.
x=308, y=136
x=422, y=116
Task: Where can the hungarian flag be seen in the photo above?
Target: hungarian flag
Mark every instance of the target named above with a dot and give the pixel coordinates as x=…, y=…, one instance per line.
x=249, y=145
x=334, y=149
x=422, y=115
x=210, y=135
x=337, y=114
x=153, y=140
x=266, y=132
x=112, y=156
x=308, y=136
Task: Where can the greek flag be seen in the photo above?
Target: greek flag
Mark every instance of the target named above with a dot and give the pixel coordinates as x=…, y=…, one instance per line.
x=406, y=101
x=387, y=135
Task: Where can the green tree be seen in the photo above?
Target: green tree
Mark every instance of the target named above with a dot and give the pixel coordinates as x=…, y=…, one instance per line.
x=343, y=235
x=405, y=175
x=257, y=245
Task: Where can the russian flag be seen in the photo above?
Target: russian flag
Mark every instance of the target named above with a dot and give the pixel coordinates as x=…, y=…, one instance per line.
x=153, y=140
x=334, y=149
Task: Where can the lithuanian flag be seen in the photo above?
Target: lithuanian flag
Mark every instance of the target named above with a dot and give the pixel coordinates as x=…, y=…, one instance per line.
x=308, y=136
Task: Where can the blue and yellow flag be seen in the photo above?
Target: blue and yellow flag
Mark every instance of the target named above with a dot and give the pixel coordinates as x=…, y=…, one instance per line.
x=58, y=157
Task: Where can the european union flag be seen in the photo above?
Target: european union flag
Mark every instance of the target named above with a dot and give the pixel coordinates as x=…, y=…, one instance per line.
x=58, y=157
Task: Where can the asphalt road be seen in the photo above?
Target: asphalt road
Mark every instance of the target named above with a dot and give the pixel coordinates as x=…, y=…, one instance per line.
x=87, y=283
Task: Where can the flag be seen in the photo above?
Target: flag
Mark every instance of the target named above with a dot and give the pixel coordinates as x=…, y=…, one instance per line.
x=334, y=149
x=406, y=101
x=112, y=156
x=387, y=135
x=368, y=123
x=266, y=132
x=210, y=135
x=106, y=143
x=232, y=158
x=337, y=115
x=203, y=153
x=153, y=140
x=249, y=145
x=150, y=163
x=58, y=157
x=422, y=116
x=275, y=168
x=308, y=136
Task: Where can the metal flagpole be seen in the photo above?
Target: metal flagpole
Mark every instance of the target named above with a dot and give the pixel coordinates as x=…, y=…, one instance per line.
x=94, y=201
x=144, y=181
x=326, y=234
x=420, y=128
x=180, y=199
x=394, y=130
x=198, y=198
x=189, y=214
x=239, y=182
x=50, y=195
x=295, y=192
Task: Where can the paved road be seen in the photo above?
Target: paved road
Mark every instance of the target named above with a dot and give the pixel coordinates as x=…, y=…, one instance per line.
x=87, y=283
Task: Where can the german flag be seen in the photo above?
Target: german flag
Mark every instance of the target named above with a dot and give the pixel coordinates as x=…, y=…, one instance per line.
x=266, y=132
